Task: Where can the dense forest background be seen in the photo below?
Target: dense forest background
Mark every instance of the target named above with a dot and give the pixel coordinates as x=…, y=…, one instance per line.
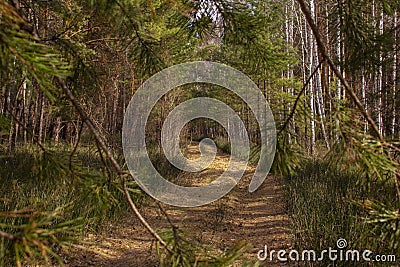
x=329, y=69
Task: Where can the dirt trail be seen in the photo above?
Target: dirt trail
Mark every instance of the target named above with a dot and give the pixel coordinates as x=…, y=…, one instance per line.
x=259, y=218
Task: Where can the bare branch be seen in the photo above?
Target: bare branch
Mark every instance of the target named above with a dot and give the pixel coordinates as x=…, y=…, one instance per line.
x=298, y=98
x=349, y=90
x=7, y=235
x=110, y=156
x=325, y=55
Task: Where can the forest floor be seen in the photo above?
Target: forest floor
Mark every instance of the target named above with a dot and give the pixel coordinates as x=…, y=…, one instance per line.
x=259, y=218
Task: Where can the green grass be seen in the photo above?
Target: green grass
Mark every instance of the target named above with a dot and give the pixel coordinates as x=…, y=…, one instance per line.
x=48, y=200
x=324, y=203
x=47, y=203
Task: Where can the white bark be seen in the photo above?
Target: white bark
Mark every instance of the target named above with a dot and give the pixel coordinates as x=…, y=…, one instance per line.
x=394, y=77
x=380, y=81
x=312, y=81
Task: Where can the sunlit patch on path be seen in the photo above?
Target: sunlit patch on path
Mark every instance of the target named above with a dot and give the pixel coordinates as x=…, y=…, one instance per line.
x=259, y=218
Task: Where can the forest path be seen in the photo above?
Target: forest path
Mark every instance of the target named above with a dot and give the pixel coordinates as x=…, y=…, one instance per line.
x=259, y=218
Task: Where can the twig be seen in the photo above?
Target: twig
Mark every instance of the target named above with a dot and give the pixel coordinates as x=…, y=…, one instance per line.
x=105, y=164
x=7, y=235
x=298, y=98
x=325, y=55
x=117, y=167
x=75, y=147
x=94, y=131
x=174, y=227
x=349, y=90
x=34, y=136
x=166, y=215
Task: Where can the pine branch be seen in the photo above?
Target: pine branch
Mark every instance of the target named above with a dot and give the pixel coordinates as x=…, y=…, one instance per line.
x=7, y=235
x=298, y=98
x=349, y=90
x=92, y=128
x=26, y=128
x=325, y=55
x=87, y=121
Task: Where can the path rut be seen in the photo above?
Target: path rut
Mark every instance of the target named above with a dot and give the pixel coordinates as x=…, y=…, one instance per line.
x=259, y=218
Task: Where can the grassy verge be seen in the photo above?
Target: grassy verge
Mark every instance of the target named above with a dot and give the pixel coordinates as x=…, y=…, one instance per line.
x=327, y=203
x=48, y=199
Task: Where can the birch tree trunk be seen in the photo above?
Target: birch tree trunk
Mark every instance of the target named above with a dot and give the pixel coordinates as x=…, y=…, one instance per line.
x=312, y=46
x=380, y=79
x=394, y=76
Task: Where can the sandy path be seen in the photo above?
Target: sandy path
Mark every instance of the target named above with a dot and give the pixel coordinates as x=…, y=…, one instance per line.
x=259, y=218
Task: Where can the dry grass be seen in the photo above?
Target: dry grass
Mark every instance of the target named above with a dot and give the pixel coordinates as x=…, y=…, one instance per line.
x=259, y=218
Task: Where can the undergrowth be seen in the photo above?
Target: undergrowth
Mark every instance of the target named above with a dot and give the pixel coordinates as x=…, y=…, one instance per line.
x=328, y=202
x=49, y=198
x=186, y=252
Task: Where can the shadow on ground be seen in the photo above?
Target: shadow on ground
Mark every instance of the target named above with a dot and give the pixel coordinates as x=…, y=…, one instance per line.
x=259, y=218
